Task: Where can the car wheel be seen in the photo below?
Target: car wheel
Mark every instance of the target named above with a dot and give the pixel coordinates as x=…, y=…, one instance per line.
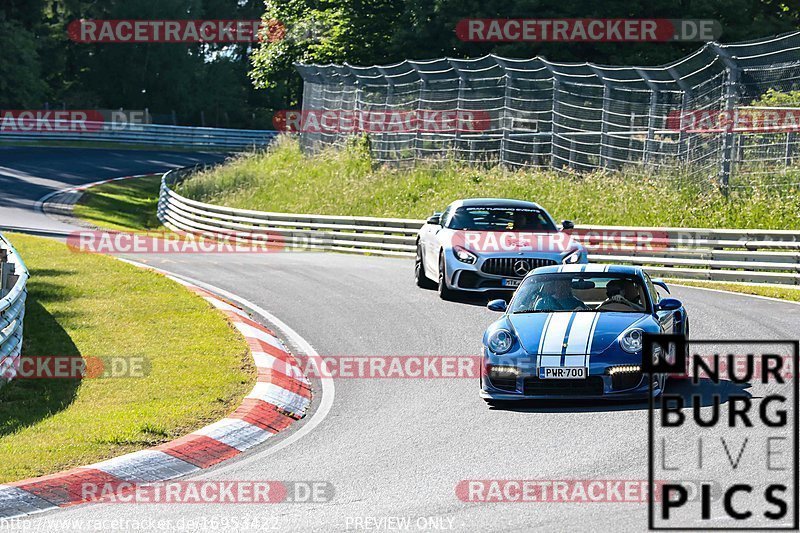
x=419, y=271
x=495, y=403
x=444, y=292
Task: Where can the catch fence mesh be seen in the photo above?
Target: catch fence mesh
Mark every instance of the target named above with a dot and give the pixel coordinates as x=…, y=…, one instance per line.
x=577, y=117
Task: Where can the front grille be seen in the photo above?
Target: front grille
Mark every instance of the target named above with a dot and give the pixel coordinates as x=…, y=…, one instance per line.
x=591, y=386
x=468, y=279
x=625, y=380
x=510, y=266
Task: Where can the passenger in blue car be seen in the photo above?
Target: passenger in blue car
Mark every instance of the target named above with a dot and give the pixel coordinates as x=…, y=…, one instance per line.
x=556, y=295
x=623, y=295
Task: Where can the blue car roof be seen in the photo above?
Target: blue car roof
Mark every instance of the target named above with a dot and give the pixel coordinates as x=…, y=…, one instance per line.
x=590, y=267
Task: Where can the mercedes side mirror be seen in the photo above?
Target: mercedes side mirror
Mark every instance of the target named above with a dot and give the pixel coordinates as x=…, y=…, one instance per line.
x=567, y=224
x=497, y=305
x=434, y=219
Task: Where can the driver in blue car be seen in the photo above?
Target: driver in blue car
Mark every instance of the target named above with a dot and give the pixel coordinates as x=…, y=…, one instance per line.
x=556, y=295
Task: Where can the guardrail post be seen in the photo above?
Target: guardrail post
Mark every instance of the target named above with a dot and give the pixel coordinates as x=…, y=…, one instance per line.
x=7, y=278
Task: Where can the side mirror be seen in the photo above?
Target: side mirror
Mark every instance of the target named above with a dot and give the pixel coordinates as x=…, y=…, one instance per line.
x=567, y=224
x=661, y=283
x=669, y=304
x=434, y=219
x=497, y=305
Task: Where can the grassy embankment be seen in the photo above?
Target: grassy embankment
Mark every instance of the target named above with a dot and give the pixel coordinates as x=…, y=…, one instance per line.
x=346, y=182
x=197, y=366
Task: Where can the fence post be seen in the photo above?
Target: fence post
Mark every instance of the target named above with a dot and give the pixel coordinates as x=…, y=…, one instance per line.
x=459, y=99
x=386, y=108
x=651, y=118
x=571, y=162
x=553, y=125
x=728, y=137
x=686, y=98
x=553, y=113
x=603, y=119
x=504, y=121
x=790, y=140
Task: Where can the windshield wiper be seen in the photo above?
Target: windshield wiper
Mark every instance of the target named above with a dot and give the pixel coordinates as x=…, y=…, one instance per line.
x=524, y=311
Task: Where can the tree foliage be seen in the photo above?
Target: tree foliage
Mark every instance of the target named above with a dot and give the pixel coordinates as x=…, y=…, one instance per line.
x=240, y=85
x=195, y=83
x=387, y=31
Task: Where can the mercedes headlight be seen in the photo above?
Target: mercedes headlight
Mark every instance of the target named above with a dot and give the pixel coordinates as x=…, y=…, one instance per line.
x=464, y=255
x=572, y=258
x=631, y=340
x=501, y=341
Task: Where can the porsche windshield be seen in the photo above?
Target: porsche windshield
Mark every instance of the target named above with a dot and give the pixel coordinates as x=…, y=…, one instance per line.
x=500, y=219
x=548, y=293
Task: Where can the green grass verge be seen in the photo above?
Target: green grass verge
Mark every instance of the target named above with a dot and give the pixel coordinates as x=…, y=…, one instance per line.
x=782, y=293
x=346, y=182
x=126, y=205
x=93, y=305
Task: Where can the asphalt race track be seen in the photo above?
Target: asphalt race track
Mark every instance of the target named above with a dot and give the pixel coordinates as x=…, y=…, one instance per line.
x=28, y=174
x=393, y=447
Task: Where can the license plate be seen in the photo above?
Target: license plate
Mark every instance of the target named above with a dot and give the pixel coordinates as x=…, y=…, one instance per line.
x=559, y=372
x=511, y=282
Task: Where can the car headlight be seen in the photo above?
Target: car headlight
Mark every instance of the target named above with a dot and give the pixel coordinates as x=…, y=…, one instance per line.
x=464, y=255
x=631, y=340
x=572, y=258
x=501, y=341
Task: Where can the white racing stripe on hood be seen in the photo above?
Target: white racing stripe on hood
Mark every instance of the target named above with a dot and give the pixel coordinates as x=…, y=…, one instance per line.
x=544, y=334
x=580, y=333
x=555, y=332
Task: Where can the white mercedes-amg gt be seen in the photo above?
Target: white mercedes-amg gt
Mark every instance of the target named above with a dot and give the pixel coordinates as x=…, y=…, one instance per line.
x=484, y=244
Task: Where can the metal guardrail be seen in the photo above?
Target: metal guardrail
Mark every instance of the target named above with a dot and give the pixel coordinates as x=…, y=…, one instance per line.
x=761, y=256
x=144, y=134
x=13, y=292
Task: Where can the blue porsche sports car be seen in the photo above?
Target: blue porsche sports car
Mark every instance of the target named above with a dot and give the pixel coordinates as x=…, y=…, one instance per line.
x=575, y=331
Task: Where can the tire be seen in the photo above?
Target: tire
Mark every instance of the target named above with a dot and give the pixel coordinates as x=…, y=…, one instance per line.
x=494, y=403
x=419, y=272
x=444, y=292
x=685, y=376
